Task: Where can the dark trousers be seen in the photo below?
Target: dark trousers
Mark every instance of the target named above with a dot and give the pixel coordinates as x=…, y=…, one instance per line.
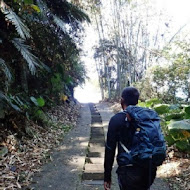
x=135, y=177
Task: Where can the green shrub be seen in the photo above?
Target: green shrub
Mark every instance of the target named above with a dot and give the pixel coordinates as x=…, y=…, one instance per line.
x=179, y=134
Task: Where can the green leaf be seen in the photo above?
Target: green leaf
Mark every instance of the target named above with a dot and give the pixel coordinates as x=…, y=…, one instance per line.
x=187, y=110
x=28, y=2
x=183, y=146
x=174, y=116
x=180, y=125
x=36, y=8
x=161, y=108
x=170, y=140
x=41, y=102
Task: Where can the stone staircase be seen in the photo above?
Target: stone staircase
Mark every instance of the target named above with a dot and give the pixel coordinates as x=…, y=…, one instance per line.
x=94, y=169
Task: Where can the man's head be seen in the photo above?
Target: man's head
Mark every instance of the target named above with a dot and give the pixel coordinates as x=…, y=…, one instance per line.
x=129, y=96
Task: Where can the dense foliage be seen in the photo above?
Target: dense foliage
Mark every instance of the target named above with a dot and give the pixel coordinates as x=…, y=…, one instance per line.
x=39, y=57
x=175, y=121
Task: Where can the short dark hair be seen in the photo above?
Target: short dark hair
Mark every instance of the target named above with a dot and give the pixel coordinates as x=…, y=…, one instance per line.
x=130, y=96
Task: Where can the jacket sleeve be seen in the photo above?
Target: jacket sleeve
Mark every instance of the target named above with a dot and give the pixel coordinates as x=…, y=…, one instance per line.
x=110, y=147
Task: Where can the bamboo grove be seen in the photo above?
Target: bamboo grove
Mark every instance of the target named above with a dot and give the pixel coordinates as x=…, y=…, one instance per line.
x=134, y=39
x=39, y=55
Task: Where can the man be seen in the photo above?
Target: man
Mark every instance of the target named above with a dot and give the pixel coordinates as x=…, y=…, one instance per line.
x=130, y=177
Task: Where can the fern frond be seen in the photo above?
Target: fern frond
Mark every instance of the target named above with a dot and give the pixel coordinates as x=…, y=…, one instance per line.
x=24, y=49
x=12, y=17
x=5, y=69
x=59, y=23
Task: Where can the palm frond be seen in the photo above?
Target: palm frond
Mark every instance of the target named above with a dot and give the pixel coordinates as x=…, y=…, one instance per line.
x=43, y=8
x=12, y=17
x=8, y=101
x=59, y=23
x=67, y=11
x=5, y=69
x=24, y=49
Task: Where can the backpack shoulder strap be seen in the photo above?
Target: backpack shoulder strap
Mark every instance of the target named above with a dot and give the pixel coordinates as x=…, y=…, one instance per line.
x=128, y=117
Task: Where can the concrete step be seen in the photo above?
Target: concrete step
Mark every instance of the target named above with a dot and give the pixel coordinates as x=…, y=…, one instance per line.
x=95, y=114
x=96, y=154
x=94, y=167
x=93, y=182
x=95, y=160
x=93, y=172
x=98, y=133
x=98, y=140
x=96, y=144
x=96, y=120
x=97, y=129
x=97, y=137
x=96, y=149
x=96, y=124
x=90, y=175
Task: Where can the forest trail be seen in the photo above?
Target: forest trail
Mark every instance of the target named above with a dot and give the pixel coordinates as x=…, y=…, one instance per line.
x=68, y=160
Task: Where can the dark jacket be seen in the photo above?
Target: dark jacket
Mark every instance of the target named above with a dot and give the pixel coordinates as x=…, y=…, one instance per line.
x=117, y=131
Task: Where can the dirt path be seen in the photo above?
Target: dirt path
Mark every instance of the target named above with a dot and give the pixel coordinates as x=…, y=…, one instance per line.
x=65, y=171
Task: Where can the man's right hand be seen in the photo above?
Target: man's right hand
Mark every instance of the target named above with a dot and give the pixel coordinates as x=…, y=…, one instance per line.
x=107, y=185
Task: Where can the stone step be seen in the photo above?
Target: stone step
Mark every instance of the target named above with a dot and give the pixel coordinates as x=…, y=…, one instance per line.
x=98, y=116
x=96, y=144
x=95, y=114
x=93, y=182
x=94, y=160
x=94, y=167
x=96, y=149
x=96, y=124
x=93, y=172
x=94, y=120
x=98, y=140
x=98, y=133
x=94, y=111
x=91, y=175
x=96, y=154
x=97, y=129
x=97, y=137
